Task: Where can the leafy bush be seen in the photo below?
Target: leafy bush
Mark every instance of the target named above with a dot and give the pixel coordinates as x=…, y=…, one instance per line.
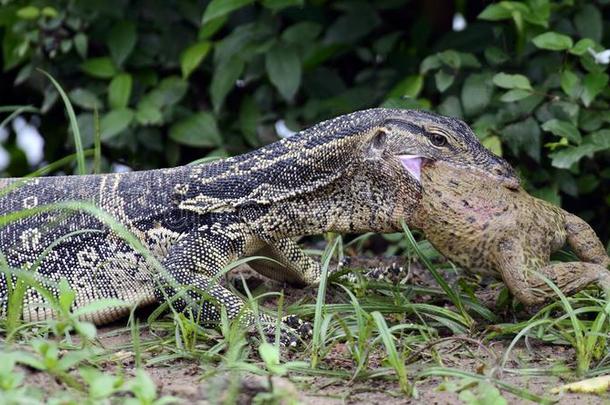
x=176, y=80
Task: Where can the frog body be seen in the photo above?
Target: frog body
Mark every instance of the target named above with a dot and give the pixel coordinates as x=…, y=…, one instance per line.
x=490, y=229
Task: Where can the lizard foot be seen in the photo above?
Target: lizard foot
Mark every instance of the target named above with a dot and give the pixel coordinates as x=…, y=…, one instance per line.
x=302, y=328
x=288, y=338
x=293, y=331
x=393, y=272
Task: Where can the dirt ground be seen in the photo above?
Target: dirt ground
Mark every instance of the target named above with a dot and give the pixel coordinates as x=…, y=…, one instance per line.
x=189, y=380
x=183, y=379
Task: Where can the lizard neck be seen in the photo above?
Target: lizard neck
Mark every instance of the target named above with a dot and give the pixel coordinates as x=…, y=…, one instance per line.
x=352, y=204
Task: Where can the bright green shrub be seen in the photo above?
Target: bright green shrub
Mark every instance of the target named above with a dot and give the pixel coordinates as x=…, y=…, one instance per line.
x=178, y=80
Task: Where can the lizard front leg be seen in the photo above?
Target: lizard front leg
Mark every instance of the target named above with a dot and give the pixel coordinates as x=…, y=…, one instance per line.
x=196, y=263
x=519, y=275
x=294, y=267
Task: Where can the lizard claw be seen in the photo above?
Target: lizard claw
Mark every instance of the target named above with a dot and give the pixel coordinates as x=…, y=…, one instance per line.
x=288, y=338
x=294, y=331
x=391, y=273
x=302, y=328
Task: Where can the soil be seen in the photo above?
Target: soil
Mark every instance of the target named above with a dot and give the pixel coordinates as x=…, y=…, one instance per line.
x=191, y=382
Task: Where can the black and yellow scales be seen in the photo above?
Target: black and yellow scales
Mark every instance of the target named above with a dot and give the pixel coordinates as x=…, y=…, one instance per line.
x=356, y=173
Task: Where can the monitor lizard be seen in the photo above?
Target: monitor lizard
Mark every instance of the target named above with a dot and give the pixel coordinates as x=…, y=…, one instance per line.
x=355, y=173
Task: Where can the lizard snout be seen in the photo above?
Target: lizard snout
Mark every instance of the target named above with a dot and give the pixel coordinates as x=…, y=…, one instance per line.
x=507, y=176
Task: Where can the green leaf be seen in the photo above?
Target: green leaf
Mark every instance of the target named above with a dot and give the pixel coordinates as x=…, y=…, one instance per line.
x=515, y=95
x=119, y=91
x=595, y=142
x=284, y=70
x=476, y=93
x=565, y=158
x=352, y=26
x=495, y=12
x=223, y=81
x=516, y=81
x=451, y=58
x=593, y=84
x=210, y=28
x=468, y=60
x=553, y=41
x=144, y=389
x=485, y=394
x=220, y=8
x=49, y=12
x=277, y=5
x=407, y=104
x=66, y=295
x=410, y=86
x=443, y=80
x=539, y=12
x=28, y=13
x=429, y=63
x=494, y=144
x=495, y=55
x=601, y=139
x=198, y=130
x=451, y=106
x=101, y=68
x=249, y=117
x=100, y=385
x=85, y=99
x=271, y=356
x=192, y=57
x=523, y=136
x=121, y=41
x=564, y=129
x=148, y=114
x=582, y=47
x=302, y=33
x=570, y=83
x=115, y=122
x=172, y=89
x=588, y=22
x=85, y=329
x=81, y=43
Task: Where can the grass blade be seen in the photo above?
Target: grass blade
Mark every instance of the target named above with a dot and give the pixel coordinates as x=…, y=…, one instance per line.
x=453, y=296
x=78, y=143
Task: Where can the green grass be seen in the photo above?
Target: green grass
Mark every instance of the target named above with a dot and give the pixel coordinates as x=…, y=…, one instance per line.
x=364, y=331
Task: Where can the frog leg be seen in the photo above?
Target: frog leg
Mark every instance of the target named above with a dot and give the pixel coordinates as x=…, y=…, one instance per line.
x=520, y=274
x=584, y=242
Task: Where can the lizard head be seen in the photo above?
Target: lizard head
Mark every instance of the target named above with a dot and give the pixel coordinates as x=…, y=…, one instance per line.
x=417, y=137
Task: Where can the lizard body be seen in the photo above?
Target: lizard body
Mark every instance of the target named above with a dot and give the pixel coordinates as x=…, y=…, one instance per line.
x=355, y=173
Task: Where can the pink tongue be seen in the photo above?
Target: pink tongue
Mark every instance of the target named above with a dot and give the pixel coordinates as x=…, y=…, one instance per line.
x=413, y=165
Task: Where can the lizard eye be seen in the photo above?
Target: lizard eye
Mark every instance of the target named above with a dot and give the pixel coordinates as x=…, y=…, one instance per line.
x=438, y=140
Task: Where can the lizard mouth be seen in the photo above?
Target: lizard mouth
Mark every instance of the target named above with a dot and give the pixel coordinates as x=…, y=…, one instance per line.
x=413, y=164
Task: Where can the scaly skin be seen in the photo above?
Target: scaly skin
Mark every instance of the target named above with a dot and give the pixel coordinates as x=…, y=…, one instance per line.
x=507, y=233
x=355, y=173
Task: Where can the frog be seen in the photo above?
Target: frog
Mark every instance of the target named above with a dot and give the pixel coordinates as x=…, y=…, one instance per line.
x=491, y=229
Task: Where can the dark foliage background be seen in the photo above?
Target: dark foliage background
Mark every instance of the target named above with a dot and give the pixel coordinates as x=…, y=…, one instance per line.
x=177, y=80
